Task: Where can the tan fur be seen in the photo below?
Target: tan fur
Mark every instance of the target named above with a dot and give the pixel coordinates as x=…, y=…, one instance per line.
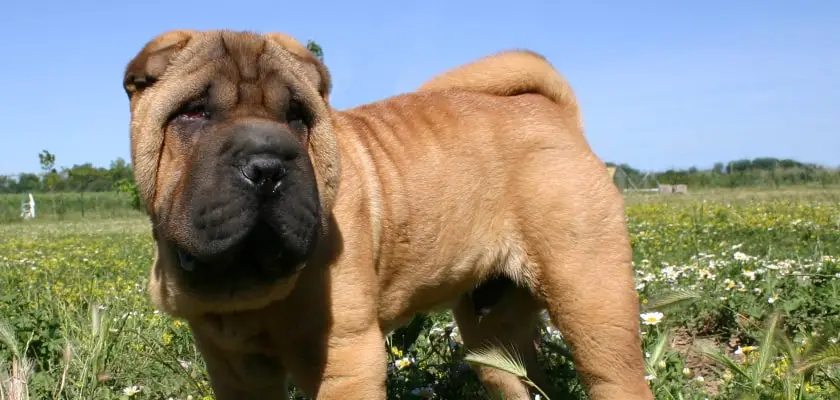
x=482, y=172
x=510, y=73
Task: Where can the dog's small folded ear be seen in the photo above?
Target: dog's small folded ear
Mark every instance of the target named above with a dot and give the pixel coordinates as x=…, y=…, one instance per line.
x=317, y=72
x=150, y=63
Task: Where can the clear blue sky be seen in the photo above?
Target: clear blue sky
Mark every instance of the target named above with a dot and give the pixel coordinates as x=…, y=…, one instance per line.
x=661, y=85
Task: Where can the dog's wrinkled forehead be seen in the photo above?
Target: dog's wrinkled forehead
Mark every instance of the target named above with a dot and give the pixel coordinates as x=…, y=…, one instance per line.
x=246, y=51
x=183, y=59
x=240, y=56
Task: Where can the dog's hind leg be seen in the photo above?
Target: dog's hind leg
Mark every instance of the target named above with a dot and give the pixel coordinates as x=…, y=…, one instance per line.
x=583, y=271
x=502, y=314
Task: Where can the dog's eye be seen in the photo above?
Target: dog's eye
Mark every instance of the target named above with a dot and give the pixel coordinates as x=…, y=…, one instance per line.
x=192, y=111
x=297, y=117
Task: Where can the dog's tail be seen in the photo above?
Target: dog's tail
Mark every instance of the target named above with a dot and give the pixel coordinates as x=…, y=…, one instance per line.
x=510, y=73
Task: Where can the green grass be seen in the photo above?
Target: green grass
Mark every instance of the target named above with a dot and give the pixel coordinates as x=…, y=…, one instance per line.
x=747, y=284
x=68, y=206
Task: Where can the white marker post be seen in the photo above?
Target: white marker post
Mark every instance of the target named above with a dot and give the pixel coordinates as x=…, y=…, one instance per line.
x=32, y=205
x=27, y=208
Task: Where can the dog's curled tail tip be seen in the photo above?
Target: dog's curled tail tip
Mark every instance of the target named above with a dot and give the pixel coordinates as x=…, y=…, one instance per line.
x=510, y=73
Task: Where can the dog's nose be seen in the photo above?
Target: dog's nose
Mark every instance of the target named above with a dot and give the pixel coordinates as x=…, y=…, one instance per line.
x=266, y=171
x=264, y=152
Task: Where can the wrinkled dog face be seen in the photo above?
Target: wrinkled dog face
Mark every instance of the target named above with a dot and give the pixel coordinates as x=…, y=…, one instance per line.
x=230, y=139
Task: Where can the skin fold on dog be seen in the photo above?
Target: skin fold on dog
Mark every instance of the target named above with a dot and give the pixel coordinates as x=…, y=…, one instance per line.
x=292, y=237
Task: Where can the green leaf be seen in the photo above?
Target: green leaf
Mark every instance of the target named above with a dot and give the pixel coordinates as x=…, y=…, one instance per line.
x=657, y=353
x=670, y=299
x=727, y=362
x=500, y=359
x=830, y=355
x=767, y=348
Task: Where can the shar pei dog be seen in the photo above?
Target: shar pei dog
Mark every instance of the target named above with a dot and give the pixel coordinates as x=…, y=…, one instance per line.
x=293, y=237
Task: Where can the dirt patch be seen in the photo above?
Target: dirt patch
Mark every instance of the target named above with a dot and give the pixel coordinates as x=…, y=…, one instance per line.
x=690, y=349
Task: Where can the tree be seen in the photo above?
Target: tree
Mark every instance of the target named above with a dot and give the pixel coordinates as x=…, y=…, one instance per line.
x=6, y=184
x=122, y=180
x=119, y=170
x=81, y=177
x=47, y=161
x=27, y=183
x=128, y=187
x=315, y=49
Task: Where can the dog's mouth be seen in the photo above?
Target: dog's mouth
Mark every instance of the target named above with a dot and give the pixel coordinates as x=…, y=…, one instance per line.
x=260, y=252
x=190, y=263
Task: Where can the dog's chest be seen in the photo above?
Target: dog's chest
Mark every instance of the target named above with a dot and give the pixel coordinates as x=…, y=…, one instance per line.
x=237, y=332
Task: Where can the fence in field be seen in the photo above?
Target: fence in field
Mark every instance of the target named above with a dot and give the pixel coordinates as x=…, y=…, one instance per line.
x=15, y=207
x=79, y=192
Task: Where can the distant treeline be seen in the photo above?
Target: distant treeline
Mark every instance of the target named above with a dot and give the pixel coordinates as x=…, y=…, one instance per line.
x=78, y=178
x=118, y=177
x=763, y=172
x=758, y=172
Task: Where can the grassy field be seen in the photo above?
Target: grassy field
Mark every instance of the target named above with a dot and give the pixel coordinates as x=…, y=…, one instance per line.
x=740, y=293
x=68, y=206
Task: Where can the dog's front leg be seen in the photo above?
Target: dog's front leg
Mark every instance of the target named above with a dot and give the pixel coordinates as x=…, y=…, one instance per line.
x=237, y=375
x=336, y=349
x=355, y=366
x=339, y=364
